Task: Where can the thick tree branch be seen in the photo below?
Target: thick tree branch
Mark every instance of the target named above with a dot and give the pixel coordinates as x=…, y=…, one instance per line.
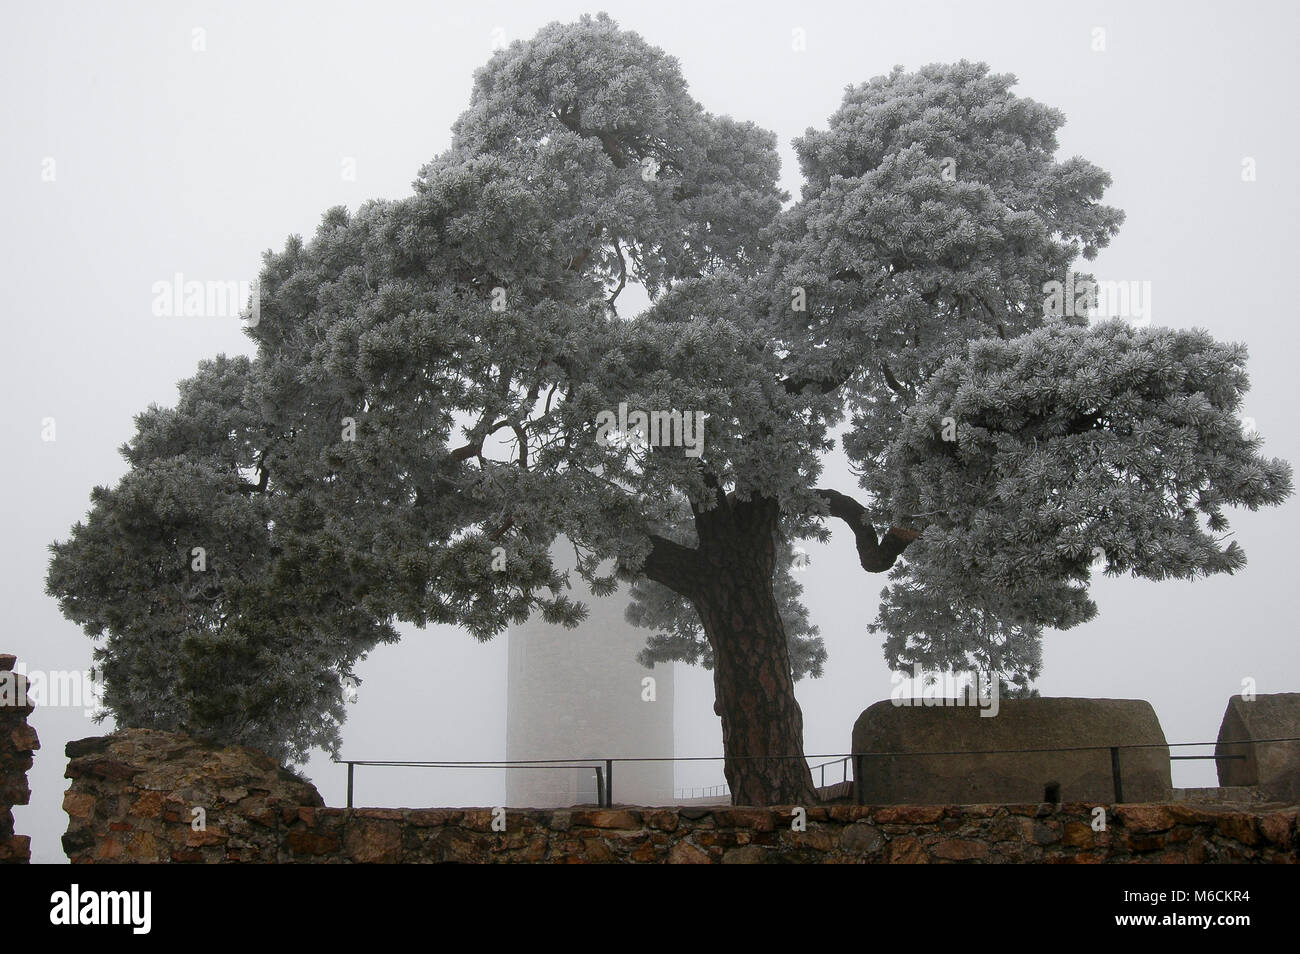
x=876, y=554
x=622, y=273
x=677, y=567
x=475, y=447
x=892, y=381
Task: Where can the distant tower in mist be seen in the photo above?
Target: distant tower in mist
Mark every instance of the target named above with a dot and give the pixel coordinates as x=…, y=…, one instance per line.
x=578, y=693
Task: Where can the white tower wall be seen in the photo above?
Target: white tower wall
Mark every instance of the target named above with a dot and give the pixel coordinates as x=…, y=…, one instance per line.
x=577, y=694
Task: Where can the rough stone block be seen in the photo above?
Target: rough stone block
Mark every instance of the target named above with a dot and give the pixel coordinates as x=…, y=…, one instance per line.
x=1271, y=767
x=1085, y=728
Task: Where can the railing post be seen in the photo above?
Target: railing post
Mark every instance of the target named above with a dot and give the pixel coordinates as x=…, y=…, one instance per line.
x=349, y=785
x=609, y=783
x=857, y=777
x=600, y=788
x=1114, y=773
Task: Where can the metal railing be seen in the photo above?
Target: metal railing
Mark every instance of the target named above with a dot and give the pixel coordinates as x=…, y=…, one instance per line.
x=603, y=768
x=842, y=763
x=708, y=791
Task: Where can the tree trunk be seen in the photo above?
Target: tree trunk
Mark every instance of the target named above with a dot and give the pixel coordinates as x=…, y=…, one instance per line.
x=762, y=725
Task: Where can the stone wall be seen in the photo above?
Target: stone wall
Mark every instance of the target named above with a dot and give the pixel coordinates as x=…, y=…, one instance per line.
x=144, y=795
x=835, y=834
x=132, y=798
x=17, y=743
x=1079, y=770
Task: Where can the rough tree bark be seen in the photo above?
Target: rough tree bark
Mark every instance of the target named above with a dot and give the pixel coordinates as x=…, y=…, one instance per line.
x=731, y=587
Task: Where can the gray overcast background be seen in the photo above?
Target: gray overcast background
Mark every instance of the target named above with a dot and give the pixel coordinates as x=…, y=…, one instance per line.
x=172, y=160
